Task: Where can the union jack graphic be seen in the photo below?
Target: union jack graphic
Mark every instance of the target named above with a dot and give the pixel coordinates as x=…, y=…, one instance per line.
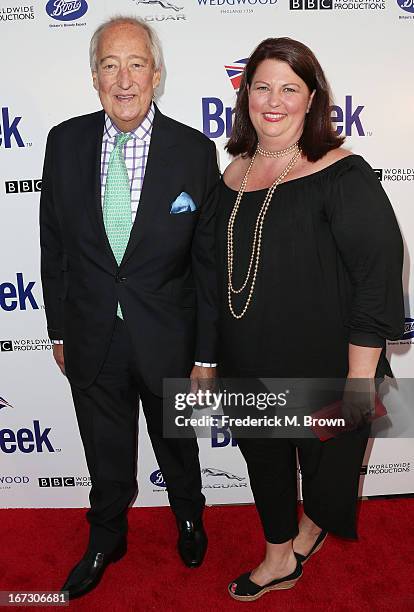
x=4, y=404
x=235, y=72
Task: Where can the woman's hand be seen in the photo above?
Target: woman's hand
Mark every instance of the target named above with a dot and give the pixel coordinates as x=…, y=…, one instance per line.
x=358, y=401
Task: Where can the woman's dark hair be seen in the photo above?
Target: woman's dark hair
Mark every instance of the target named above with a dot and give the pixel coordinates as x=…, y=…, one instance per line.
x=318, y=135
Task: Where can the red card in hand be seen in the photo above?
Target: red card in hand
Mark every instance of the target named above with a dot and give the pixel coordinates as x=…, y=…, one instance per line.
x=334, y=411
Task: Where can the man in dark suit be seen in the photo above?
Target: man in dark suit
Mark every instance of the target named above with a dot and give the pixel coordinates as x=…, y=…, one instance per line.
x=127, y=241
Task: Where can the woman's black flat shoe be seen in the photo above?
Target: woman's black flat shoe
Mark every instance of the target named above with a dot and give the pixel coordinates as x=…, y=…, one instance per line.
x=243, y=589
x=318, y=544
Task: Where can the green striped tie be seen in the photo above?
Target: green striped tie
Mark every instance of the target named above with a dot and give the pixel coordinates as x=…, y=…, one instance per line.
x=117, y=202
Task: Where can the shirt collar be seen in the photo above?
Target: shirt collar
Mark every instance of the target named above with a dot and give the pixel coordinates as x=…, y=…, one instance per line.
x=142, y=132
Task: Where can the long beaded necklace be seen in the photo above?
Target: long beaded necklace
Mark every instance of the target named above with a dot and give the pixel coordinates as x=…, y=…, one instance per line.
x=257, y=236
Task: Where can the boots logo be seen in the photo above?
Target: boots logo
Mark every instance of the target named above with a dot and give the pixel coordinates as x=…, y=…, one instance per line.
x=163, y=3
x=66, y=11
x=408, y=329
x=158, y=479
x=406, y=5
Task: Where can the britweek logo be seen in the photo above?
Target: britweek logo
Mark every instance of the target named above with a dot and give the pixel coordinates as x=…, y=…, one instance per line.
x=4, y=403
x=17, y=295
x=221, y=437
x=26, y=440
x=9, y=130
x=218, y=119
x=66, y=11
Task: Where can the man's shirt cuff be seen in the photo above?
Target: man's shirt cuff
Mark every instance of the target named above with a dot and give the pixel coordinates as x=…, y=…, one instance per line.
x=202, y=364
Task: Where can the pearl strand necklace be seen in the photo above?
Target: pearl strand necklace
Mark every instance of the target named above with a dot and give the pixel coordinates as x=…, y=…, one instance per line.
x=277, y=154
x=257, y=237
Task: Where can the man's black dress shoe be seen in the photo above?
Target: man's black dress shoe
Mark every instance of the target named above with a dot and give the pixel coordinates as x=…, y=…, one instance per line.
x=192, y=542
x=86, y=575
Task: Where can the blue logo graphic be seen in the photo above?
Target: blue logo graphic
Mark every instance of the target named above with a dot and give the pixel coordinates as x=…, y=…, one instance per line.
x=9, y=130
x=157, y=478
x=408, y=329
x=17, y=295
x=406, y=5
x=64, y=10
x=218, y=119
x=4, y=403
x=26, y=440
x=221, y=437
x=347, y=118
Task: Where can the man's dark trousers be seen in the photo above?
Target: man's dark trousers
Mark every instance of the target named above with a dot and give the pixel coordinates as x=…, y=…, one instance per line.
x=107, y=413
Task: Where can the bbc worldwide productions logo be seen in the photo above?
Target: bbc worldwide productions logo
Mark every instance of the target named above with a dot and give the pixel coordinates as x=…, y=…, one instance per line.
x=23, y=186
x=17, y=13
x=395, y=175
x=341, y=5
x=26, y=345
x=64, y=481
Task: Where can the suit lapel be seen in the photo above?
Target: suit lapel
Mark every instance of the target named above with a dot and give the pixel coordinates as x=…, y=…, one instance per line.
x=156, y=177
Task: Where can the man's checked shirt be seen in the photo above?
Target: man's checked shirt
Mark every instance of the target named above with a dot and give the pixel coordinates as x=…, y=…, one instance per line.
x=135, y=154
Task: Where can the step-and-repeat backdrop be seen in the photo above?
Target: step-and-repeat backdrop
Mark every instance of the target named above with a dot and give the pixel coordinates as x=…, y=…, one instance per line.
x=365, y=47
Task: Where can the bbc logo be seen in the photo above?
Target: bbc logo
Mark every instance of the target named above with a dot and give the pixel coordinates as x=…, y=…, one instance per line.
x=364, y=470
x=57, y=481
x=378, y=172
x=6, y=346
x=311, y=5
x=26, y=186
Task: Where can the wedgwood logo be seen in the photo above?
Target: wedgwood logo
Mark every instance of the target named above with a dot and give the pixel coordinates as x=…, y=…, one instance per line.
x=62, y=10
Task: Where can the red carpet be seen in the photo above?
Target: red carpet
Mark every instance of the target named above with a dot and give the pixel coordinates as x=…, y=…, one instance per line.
x=38, y=547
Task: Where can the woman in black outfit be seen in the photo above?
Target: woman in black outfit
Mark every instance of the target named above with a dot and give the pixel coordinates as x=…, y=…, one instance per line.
x=311, y=256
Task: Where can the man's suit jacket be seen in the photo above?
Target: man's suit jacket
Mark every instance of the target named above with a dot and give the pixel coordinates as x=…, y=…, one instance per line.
x=166, y=282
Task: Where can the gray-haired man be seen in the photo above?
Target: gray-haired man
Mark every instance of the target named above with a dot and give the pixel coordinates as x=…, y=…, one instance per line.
x=129, y=284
